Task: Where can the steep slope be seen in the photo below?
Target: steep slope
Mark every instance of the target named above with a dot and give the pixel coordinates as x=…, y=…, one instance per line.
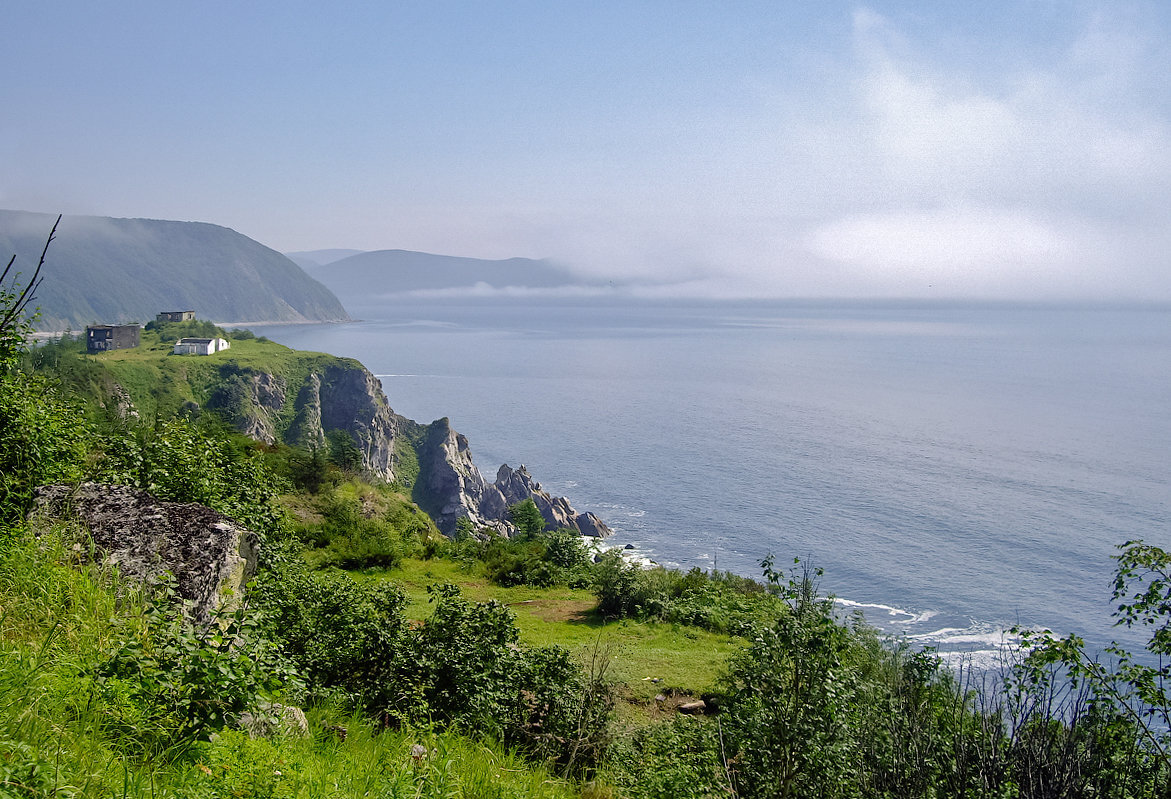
x=101, y=269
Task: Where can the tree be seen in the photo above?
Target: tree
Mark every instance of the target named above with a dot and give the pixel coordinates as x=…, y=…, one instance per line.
x=15, y=322
x=527, y=518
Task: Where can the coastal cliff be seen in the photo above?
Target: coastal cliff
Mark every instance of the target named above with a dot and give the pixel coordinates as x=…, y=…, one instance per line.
x=304, y=399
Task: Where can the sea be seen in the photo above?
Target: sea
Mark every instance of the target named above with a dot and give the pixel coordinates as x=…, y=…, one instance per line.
x=955, y=470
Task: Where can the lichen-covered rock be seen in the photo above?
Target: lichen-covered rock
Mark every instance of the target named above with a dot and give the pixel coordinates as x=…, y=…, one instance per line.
x=210, y=556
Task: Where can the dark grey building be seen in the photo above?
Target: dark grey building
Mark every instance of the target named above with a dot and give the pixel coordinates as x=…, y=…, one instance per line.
x=100, y=338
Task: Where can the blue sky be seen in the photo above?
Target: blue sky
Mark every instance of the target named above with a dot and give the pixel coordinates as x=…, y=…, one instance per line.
x=935, y=149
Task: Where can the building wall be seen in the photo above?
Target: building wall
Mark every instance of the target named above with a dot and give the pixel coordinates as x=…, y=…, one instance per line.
x=102, y=338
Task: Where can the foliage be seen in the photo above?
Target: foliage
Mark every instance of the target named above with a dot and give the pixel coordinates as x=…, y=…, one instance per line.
x=167, y=680
x=717, y=601
x=527, y=518
x=343, y=452
x=343, y=636
x=63, y=734
x=553, y=557
x=1126, y=704
x=44, y=438
x=170, y=332
x=678, y=758
x=461, y=667
x=183, y=462
x=475, y=675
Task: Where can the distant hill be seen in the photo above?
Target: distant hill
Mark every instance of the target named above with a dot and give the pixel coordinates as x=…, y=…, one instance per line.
x=382, y=275
x=101, y=269
x=312, y=259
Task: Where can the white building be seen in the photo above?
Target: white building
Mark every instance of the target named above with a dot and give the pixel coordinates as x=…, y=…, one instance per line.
x=200, y=346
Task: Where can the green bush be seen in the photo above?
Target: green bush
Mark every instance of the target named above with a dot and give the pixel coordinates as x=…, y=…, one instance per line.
x=342, y=636
x=167, y=680
x=180, y=461
x=44, y=438
x=475, y=675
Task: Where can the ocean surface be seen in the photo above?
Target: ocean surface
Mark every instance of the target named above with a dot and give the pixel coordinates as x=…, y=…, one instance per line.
x=954, y=469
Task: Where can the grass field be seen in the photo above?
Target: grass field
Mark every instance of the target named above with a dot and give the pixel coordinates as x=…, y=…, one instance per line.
x=644, y=658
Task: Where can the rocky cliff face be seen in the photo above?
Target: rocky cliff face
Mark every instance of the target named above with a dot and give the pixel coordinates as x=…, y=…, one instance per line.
x=348, y=398
x=450, y=487
x=211, y=557
x=513, y=486
x=338, y=394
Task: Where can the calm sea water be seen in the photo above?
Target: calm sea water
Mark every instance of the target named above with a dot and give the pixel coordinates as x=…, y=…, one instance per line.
x=955, y=470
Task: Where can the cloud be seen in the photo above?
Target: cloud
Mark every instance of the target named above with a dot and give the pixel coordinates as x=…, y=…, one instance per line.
x=959, y=249
x=1046, y=181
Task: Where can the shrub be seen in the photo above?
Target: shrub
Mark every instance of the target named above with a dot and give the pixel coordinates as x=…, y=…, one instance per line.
x=44, y=439
x=166, y=680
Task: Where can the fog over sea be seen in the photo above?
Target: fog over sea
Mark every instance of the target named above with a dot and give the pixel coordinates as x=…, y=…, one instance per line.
x=955, y=469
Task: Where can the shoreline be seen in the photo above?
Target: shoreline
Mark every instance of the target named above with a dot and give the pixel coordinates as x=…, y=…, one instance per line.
x=45, y=335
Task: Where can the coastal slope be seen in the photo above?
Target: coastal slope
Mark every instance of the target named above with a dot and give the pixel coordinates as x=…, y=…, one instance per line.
x=107, y=270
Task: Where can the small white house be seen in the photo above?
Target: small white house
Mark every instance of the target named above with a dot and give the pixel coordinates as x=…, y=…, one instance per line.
x=200, y=346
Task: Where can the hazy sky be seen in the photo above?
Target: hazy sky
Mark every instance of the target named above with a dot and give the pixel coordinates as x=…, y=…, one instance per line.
x=931, y=149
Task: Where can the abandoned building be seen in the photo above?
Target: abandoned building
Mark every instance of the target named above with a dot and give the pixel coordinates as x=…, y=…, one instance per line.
x=101, y=338
x=175, y=316
x=200, y=346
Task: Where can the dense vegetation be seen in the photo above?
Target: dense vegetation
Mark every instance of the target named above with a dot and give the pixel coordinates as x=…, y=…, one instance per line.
x=418, y=680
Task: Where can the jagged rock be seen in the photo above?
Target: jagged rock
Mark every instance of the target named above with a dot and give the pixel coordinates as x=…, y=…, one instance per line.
x=249, y=400
x=121, y=402
x=449, y=486
x=305, y=430
x=517, y=485
x=348, y=398
x=210, y=556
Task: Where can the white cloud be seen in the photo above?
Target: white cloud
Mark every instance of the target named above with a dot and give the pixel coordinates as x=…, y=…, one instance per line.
x=958, y=249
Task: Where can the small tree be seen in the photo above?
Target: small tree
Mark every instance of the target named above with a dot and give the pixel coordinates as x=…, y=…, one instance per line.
x=527, y=518
x=15, y=322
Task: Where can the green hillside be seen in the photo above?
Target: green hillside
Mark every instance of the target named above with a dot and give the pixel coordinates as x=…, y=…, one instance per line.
x=128, y=270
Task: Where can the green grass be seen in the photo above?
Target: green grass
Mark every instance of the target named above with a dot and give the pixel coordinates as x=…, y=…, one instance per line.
x=57, y=736
x=159, y=382
x=683, y=659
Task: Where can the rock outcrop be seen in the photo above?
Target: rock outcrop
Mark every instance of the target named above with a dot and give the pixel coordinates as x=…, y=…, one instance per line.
x=450, y=487
x=210, y=556
x=351, y=399
x=513, y=486
x=319, y=396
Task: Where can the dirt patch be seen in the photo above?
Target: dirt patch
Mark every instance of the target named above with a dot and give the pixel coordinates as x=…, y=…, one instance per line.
x=573, y=611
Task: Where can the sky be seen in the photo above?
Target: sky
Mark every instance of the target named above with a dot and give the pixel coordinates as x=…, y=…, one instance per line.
x=1001, y=150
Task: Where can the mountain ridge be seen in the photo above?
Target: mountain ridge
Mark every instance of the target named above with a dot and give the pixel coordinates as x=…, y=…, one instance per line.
x=121, y=270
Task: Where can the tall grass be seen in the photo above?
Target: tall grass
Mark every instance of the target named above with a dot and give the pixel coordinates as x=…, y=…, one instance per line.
x=62, y=735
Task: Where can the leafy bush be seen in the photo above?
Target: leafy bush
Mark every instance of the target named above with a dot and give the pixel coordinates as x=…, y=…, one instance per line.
x=166, y=680
x=475, y=675
x=169, y=332
x=180, y=461
x=341, y=635
x=44, y=439
x=679, y=758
